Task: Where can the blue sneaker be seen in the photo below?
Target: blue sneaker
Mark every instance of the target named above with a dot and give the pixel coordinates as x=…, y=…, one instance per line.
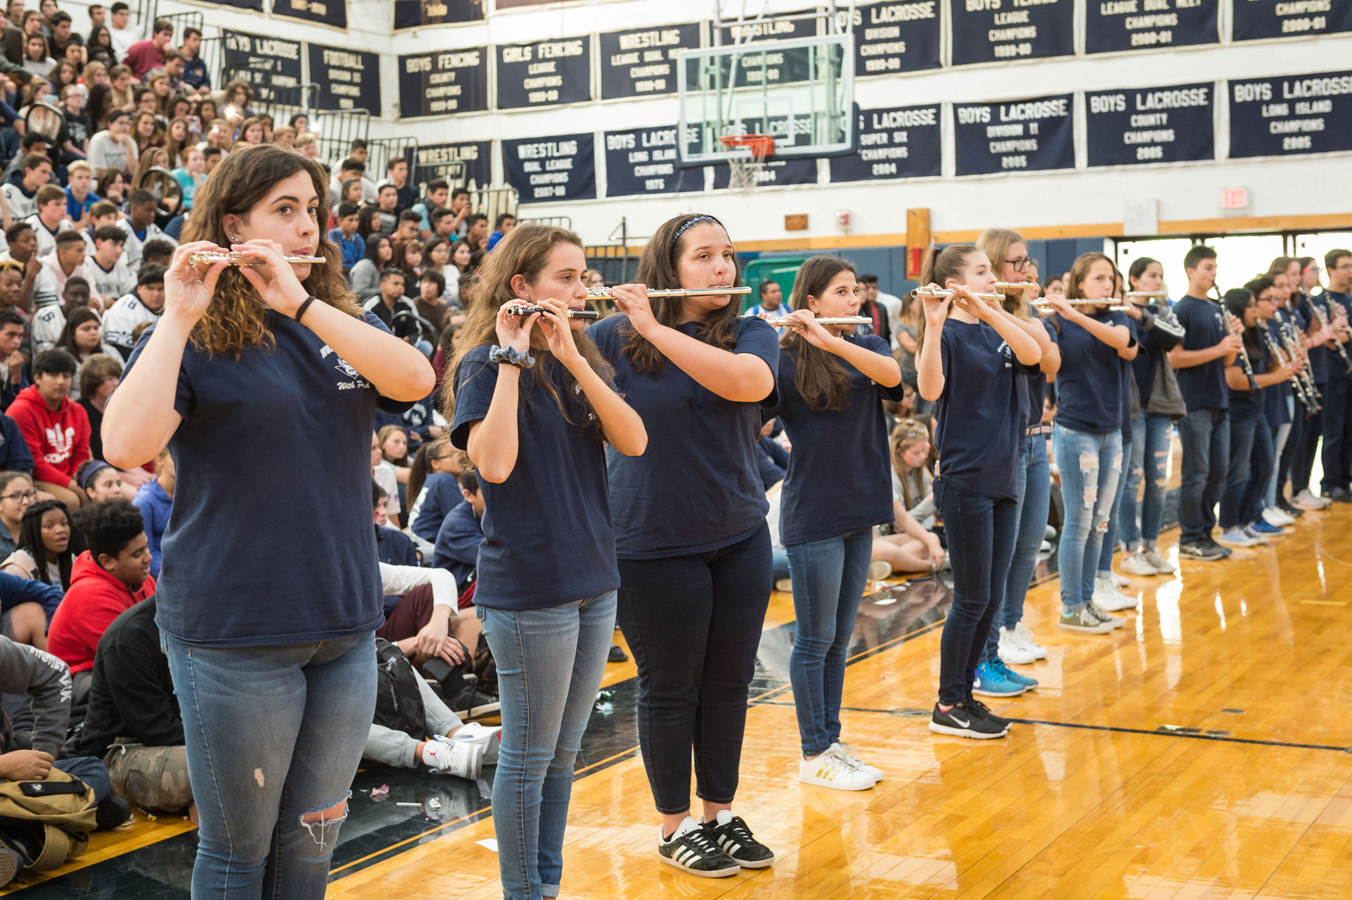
x=1009, y=674
x=1263, y=527
x=990, y=683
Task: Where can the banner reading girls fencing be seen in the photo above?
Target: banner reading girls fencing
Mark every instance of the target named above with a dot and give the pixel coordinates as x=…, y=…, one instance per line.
x=1151, y=125
x=1015, y=136
x=545, y=73
x=990, y=31
x=1116, y=25
x=321, y=12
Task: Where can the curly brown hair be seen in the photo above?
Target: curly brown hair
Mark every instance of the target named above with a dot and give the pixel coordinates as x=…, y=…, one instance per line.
x=237, y=317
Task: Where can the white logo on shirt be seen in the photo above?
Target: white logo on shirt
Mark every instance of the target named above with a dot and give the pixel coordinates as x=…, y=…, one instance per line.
x=354, y=378
x=1008, y=354
x=62, y=443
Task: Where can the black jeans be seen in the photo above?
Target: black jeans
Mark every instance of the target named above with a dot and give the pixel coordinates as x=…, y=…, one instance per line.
x=1303, y=454
x=981, y=532
x=693, y=624
x=1337, y=425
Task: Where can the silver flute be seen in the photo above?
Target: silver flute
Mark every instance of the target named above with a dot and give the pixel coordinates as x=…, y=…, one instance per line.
x=837, y=320
x=1153, y=295
x=238, y=258
x=946, y=292
x=523, y=311
x=604, y=293
x=1045, y=306
x=1016, y=285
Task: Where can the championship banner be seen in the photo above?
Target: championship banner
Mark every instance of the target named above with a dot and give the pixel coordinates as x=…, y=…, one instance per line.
x=900, y=142
x=991, y=31
x=348, y=79
x=1291, y=116
x=1037, y=134
x=426, y=13
x=271, y=66
x=1257, y=20
x=642, y=62
x=552, y=169
x=443, y=161
x=775, y=173
x=443, y=83
x=545, y=73
x=896, y=37
x=320, y=12
x=643, y=161
x=1112, y=26
x=1152, y=125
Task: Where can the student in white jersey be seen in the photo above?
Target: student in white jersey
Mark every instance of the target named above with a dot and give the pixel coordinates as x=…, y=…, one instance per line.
x=119, y=324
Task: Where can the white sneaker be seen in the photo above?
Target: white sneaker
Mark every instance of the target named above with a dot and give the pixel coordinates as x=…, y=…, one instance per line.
x=487, y=736
x=785, y=585
x=454, y=757
x=1013, y=651
x=1306, y=500
x=1237, y=537
x=1277, y=518
x=1162, y=565
x=1045, y=548
x=1119, y=581
x=1109, y=599
x=1137, y=564
x=834, y=770
x=1025, y=636
x=879, y=569
x=848, y=752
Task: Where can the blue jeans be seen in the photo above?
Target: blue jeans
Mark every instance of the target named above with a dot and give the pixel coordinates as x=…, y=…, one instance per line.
x=1149, y=464
x=274, y=734
x=1262, y=463
x=1205, y=436
x=1090, y=464
x=1108, y=546
x=550, y=663
x=1240, y=477
x=1281, y=468
x=828, y=582
x=1034, y=487
x=980, y=532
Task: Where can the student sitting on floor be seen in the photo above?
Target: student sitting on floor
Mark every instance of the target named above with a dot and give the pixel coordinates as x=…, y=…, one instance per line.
x=55, y=428
x=432, y=485
x=155, y=500
x=43, y=553
x=461, y=533
x=133, y=723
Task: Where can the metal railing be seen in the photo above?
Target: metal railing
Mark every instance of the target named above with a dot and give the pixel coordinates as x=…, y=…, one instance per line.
x=615, y=261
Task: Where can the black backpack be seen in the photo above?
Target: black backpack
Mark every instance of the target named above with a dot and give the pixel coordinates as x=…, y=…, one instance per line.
x=399, y=705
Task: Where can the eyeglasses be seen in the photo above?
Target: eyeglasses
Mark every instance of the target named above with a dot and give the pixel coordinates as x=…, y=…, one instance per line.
x=20, y=495
x=1019, y=264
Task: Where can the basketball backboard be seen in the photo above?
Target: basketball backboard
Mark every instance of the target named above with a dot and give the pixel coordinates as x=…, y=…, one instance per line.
x=799, y=91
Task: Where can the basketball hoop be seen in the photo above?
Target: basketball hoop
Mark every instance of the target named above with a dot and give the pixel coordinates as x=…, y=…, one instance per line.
x=744, y=168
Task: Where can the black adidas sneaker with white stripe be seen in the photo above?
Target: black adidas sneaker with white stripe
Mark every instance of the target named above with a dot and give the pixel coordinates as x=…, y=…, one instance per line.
x=735, y=839
x=693, y=849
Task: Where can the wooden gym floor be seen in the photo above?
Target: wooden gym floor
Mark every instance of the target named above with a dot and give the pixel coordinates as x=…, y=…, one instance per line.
x=1200, y=752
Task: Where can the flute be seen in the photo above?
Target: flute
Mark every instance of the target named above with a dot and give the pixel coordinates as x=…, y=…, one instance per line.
x=1015, y=285
x=603, y=293
x=237, y=258
x=1324, y=323
x=1154, y=295
x=838, y=320
x=523, y=311
x=946, y=292
x=1045, y=306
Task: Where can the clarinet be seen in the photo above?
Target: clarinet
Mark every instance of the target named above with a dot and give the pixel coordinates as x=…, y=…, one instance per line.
x=1324, y=323
x=1295, y=350
x=1243, y=355
x=1296, y=384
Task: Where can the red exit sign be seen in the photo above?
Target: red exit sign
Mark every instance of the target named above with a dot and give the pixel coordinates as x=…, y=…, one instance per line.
x=1235, y=198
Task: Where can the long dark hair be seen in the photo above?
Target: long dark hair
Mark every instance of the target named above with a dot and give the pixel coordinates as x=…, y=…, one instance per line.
x=422, y=467
x=657, y=270
x=818, y=375
x=30, y=541
x=524, y=251
x=236, y=319
x=67, y=339
x=1236, y=301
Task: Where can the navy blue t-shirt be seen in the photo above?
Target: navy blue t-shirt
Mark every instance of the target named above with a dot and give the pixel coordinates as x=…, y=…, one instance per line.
x=547, y=533
x=1275, y=396
x=270, y=538
x=1248, y=404
x=698, y=486
x=1304, y=320
x=839, y=476
x=1035, y=387
x=980, y=414
x=1089, y=387
x=441, y=494
x=457, y=545
x=1203, y=387
x=1335, y=360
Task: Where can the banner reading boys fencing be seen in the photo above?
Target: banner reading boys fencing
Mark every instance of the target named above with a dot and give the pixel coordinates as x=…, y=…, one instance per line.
x=1151, y=125
x=1291, y=116
x=1014, y=136
x=990, y=31
x=1115, y=25
x=422, y=13
x=443, y=83
x=348, y=79
x=552, y=169
x=272, y=66
x=322, y=12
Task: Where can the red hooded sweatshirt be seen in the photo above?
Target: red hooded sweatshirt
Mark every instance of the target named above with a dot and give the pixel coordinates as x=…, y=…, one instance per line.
x=58, y=440
x=95, y=598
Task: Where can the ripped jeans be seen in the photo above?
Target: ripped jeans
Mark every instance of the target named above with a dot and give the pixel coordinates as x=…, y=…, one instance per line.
x=1090, y=465
x=1149, y=464
x=274, y=736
